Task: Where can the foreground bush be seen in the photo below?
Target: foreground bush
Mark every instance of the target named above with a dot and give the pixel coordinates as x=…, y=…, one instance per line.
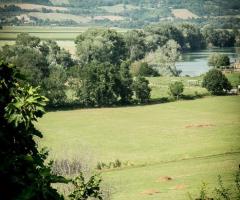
x=23, y=174
x=216, y=82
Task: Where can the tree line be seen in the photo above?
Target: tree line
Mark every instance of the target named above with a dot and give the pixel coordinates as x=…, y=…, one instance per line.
x=110, y=67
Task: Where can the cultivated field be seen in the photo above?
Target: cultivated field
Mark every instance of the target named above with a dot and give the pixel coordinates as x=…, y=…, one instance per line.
x=119, y=8
x=46, y=32
x=60, y=17
x=183, y=14
x=172, y=147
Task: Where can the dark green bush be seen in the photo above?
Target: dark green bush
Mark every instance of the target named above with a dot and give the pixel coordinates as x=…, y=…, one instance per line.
x=216, y=82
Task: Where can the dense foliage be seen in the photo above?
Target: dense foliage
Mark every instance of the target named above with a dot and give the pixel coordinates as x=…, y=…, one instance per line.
x=106, y=62
x=23, y=174
x=42, y=63
x=141, y=89
x=84, y=189
x=216, y=82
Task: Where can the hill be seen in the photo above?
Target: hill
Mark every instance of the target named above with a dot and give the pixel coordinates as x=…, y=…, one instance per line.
x=124, y=14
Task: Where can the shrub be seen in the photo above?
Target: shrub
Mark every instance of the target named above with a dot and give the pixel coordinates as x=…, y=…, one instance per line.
x=216, y=82
x=218, y=60
x=141, y=89
x=176, y=89
x=84, y=189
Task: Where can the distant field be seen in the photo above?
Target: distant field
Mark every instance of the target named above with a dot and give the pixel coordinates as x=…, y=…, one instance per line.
x=60, y=17
x=28, y=6
x=189, y=141
x=64, y=36
x=119, y=8
x=183, y=14
x=54, y=33
x=59, y=2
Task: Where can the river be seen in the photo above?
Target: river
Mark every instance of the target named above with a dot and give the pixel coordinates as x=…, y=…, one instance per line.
x=196, y=63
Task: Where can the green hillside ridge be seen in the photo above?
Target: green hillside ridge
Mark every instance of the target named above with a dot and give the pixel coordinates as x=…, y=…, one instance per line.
x=130, y=14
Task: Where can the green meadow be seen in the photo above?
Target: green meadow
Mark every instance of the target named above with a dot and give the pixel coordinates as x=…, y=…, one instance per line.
x=186, y=141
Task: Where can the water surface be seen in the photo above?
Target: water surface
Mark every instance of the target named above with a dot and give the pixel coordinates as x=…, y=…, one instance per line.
x=196, y=63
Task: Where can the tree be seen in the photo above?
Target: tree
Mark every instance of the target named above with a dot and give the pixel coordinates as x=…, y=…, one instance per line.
x=25, y=39
x=101, y=45
x=40, y=63
x=126, y=82
x=166, y=57
x=218, y=60
x=135, y=44
x=176, y=89
x=141, y=89
x=31, y=63
x=99, y=85
x=54, y=86
x=216, y=82
x=159, y=35
x=23, y=174
x=193, y=38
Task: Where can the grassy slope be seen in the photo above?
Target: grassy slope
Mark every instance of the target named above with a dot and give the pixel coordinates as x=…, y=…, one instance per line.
x=148, y=137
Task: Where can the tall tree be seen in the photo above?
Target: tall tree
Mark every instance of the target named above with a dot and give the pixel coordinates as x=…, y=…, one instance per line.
x=126, y=82
x=141, y=89
x=98, y=85
x=135, y=44
x=102, y=45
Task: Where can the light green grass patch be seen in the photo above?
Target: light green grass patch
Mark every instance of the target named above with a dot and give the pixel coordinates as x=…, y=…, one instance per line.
x=191, y=141
x=160, y=86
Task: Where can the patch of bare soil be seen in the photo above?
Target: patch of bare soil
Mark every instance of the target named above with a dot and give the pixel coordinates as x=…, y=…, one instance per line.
x=180, y=187
x=164, y=178
x=199, y=126
x=150, y=192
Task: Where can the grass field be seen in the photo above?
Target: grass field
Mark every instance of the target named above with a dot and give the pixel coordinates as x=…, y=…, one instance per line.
x=54, y=33
x=160, y=86
x=189, y=141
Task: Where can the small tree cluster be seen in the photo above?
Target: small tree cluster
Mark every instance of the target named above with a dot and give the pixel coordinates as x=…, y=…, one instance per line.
x=217, y=60
x=216, y=82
